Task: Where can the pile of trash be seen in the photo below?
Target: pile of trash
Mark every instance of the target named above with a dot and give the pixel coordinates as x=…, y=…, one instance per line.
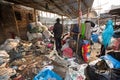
x=24, y=59
x=32, y=59
x=5, y=71
x=37, y=58
x=38, y=31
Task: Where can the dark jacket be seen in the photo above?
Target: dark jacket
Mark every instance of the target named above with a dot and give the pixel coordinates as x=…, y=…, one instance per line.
x=58, y=29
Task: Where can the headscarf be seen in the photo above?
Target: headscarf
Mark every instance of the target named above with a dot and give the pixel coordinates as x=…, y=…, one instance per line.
x=107, y=33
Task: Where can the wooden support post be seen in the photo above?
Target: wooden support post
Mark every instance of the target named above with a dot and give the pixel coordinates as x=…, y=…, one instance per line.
x=115, y=20
x=38, y=15
x=17, y=27
x=79, y=22
x=88, y=10
x=98, y=21
x=63, y=24
x=35, y=15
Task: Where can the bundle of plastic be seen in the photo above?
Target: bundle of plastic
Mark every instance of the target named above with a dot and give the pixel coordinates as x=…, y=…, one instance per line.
x=34, y=27
x=35, y=31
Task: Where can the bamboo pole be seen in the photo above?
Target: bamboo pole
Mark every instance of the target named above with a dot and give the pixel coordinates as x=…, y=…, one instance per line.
x=17, y=27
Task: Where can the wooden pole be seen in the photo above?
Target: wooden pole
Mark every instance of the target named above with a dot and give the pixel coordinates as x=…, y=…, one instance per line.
x=79, y=22
x=98, y=21
x=62, y=20
x=17, y=27
x=88, y=10
x=38, y=15
x=79, y=15
x=87, y=16
x=63, y=24
x=115, y=20
x=35, y=15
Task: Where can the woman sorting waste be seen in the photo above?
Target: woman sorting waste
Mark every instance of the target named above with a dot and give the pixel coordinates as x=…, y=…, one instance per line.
x=106, y=37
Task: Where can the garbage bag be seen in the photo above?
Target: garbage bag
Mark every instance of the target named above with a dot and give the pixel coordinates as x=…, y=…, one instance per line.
x=115, y=62
x=76, y=73
x=86, y=50
x=100, y=70
x=47, y=74
x=115, y=55
x=115, y=74
x=34, y=27
x=91, y=74
x=68, y=52
x=94, y=38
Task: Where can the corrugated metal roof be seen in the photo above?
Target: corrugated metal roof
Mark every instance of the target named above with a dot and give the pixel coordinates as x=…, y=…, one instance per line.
x=115, y=12
x=62, y=7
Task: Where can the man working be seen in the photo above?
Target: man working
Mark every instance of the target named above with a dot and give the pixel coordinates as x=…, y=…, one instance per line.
x=58, y=30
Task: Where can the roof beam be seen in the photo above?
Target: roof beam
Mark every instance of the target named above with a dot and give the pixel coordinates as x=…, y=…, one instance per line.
x=66, y=4
x=33, y=6
x=85, y=3
x=71, y=7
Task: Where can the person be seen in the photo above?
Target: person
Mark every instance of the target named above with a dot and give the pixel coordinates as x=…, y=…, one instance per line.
x=58, y=30
x=106, y=37
x=75, y=31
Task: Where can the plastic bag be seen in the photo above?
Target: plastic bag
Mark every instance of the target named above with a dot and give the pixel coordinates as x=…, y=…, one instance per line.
x=115, y=62
x=78, y=74
x=68, y=52
x=86, y=50
x=115, y=74
x=47, y=74
x=94, y=38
